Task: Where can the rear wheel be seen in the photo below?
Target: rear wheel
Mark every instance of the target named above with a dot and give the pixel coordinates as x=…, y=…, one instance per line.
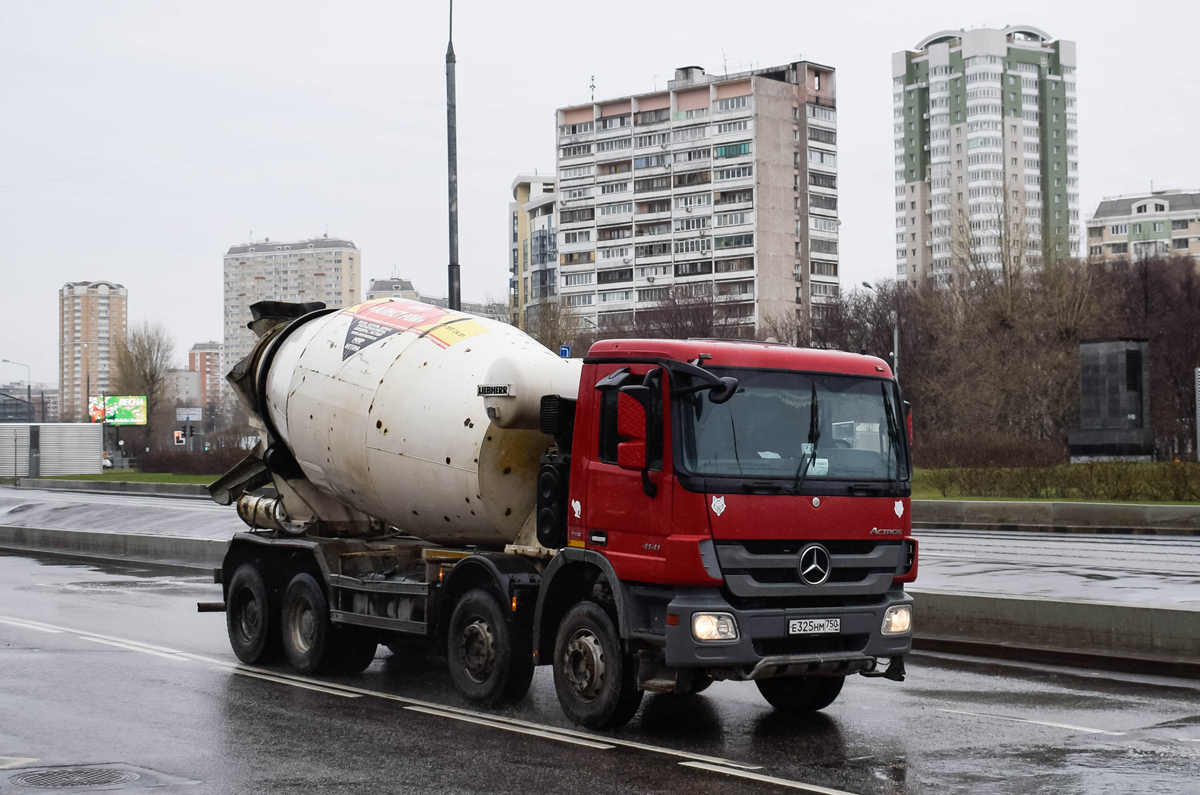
x=308, y=636
x=491, y=660
x=250, y=618
x=596, y=682
x=801, y=694
x=356, y=651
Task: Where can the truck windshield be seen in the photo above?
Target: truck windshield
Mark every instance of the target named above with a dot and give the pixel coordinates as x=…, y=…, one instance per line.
x=764, y=430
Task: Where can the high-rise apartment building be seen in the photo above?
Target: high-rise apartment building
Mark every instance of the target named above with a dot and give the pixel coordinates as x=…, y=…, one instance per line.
x=533, y=254
x=1163, y=223
x=319, y=269
x=985, y=152
x=205, y=359
x=719, y=185
x=92, y=323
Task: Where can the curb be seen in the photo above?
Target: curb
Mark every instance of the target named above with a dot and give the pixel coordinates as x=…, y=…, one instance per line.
x=189, y=490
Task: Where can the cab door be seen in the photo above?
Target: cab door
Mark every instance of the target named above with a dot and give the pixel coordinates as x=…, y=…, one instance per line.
x=627, y=512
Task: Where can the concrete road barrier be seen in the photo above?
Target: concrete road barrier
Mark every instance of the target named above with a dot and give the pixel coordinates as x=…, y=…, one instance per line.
x=1163, y=640
x=1078, y=517
x=199, y=552
x=116, y=487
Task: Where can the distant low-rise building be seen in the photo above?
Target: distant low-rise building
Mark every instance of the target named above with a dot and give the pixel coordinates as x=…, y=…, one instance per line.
x=404, y=288
x=1139, y=226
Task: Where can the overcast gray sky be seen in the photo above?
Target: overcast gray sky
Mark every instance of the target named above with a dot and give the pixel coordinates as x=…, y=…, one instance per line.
x=140, y=139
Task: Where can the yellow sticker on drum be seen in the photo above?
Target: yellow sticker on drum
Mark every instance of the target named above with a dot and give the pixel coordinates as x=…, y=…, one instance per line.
x=458, y=331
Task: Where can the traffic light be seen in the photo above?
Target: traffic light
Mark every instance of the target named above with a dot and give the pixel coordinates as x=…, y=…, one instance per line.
x=191, y=430
x=179, y=437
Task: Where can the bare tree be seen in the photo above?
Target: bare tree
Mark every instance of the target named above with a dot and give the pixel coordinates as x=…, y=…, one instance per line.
x=143, y=367
x=684, y=311
x=551, y=323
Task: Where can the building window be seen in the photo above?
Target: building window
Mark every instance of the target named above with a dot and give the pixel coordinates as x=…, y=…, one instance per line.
x=1119, y=229
x=732, y=103
x=734, y=241
x=580, y=299
x=1137, y=229
x=1120, y=248
x=1181, y=242
x=822, y=268
x=1177, y=225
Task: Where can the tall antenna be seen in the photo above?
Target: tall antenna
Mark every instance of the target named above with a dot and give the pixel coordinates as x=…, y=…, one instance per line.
x=724, y=62
x=593, y=88
x=452, y=169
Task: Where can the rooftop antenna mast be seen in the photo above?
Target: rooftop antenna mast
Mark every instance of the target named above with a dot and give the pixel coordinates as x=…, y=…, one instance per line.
x=452, y=169
x=593, y=88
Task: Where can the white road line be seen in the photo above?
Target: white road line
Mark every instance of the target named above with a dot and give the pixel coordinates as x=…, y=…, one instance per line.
x=782, y=782
x=1038, y=722
x=14, y=761
x=129, y=647
x=23, y=625
x=1189, y=739
x=519, y=730
x=282, y=681
x=355, y=692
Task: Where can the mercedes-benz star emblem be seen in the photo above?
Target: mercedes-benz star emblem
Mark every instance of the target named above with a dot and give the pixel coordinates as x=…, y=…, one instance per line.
x=814, y=565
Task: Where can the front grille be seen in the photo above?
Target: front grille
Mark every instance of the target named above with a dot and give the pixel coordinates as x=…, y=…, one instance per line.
x=771, y=569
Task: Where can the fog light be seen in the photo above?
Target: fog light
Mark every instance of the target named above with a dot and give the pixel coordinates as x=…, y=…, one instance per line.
x=714, y=626
x=897, y=620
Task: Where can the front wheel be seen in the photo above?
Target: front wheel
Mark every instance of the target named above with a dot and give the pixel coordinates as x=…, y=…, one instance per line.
x=801, y=694
x=596, y=683
x=491, y=660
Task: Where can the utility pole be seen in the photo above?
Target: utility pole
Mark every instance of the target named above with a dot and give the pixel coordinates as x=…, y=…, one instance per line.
x=452, y=169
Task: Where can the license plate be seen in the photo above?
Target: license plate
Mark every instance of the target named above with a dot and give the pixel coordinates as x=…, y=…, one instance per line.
x=814, y=626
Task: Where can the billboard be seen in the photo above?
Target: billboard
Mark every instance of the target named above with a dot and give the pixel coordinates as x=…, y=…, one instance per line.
x=118, y=409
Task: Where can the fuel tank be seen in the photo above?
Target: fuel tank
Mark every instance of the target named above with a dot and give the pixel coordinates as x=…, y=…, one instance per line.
x=423, y=418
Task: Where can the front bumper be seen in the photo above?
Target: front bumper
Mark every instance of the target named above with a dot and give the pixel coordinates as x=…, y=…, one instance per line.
x=765, y=649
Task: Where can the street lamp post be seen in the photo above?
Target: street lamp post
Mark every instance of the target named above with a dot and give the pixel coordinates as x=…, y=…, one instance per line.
x=895, y=318
x=28, y=386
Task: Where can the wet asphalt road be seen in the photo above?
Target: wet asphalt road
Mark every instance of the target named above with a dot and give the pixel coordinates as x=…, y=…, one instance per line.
x=79, y=685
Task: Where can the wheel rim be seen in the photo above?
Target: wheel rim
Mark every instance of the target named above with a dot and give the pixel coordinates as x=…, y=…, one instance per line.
x=302, y=626
x=583, y=665
x=477, y=646
x=248, y=615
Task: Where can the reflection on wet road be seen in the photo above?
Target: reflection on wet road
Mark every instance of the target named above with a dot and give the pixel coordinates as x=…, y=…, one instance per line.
x=114, y=665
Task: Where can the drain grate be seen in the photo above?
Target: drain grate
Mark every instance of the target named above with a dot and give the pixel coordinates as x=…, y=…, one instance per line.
x=61, y=778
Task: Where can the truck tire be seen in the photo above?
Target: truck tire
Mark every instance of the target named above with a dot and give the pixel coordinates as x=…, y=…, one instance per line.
x=595, y=681
x=701, y=681
x=491, y=661
x=251, y=619
x=801, y=694
x=309, y=641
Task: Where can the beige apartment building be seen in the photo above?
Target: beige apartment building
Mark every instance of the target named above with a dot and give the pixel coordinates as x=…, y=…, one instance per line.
x=723, y=185
x=92, y=323
x=318, y=269
x=1157, y=224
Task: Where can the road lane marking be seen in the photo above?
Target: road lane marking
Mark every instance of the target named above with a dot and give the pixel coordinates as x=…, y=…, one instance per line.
x=14, y=761
x=24, y=625
x=279, y=680
x=782, y=782
x=1037, y=722
x=333, y=688
x=128, y=647
x=518, y=729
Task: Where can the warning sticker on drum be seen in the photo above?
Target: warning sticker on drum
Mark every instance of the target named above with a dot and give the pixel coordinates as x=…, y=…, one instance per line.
x=377, y=320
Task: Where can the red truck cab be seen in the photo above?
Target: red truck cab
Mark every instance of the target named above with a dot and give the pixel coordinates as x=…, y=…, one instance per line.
x=748, y=505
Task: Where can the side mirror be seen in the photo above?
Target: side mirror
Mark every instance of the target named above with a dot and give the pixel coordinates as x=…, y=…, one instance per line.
x=631, y=427
x=908, y=421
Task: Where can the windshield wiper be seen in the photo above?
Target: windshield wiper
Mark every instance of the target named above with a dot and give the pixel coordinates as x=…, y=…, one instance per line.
x=893, y=435
x=814, y=435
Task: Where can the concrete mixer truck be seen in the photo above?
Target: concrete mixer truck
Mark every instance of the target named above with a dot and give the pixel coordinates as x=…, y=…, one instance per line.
x=656, y=516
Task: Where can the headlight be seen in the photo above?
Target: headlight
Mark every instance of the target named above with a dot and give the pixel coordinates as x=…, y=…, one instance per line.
x=897, y=620
x=714, y=626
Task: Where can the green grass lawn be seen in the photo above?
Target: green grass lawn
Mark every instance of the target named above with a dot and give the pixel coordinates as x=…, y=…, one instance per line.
x=132, y=475
x=923, y=489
